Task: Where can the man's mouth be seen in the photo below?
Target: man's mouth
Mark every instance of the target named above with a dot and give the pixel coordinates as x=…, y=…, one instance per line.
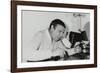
x=58, y=39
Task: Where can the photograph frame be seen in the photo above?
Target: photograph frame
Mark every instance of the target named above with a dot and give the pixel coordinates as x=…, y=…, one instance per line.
x=14, y=5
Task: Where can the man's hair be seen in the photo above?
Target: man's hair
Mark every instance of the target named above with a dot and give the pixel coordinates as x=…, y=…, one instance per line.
x=56, y=22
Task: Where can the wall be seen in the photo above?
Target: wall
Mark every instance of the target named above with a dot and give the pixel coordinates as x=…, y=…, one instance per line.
x=5, y=36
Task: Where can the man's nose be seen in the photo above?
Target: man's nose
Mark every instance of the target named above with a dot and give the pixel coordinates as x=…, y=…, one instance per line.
x=61, y=35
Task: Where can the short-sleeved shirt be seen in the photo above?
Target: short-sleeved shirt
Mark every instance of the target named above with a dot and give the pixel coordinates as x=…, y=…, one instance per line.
x=44, y=48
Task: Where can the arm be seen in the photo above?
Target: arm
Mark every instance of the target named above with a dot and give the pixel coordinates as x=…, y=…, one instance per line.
x=70, y=51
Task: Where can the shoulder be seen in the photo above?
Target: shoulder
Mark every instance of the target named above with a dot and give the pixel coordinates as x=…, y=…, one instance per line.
x=40, y=34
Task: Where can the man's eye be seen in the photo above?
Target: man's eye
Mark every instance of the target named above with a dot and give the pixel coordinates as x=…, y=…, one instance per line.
x=59, y=31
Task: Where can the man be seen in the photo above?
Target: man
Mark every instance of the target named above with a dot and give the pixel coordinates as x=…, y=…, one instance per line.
x=47, y=44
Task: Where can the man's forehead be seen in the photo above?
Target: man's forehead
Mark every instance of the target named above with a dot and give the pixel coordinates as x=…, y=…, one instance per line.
x=60, y=27
x=65, y=28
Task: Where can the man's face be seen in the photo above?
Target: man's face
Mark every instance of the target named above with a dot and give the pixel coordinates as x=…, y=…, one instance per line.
x=58, y=32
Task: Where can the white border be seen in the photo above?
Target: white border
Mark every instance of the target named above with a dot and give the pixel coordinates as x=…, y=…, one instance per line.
x=57, y=63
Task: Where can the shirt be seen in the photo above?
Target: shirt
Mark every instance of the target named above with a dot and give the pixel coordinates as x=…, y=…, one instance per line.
x=41, y=45
x=44, y=48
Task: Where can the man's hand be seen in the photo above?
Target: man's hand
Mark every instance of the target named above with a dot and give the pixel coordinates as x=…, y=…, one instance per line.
x=77, y=49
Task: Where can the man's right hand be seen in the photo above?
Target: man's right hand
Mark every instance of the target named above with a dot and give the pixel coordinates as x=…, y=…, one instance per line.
x=77, y=49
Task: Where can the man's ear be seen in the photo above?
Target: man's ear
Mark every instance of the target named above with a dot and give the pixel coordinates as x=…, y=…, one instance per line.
x=52, y=28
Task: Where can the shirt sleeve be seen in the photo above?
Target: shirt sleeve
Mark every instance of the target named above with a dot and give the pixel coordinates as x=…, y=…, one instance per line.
x=67, y=48
x=66, y=43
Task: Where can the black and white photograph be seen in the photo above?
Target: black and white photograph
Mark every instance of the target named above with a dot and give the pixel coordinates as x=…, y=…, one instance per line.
x=55, y=36
x=50, y=37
